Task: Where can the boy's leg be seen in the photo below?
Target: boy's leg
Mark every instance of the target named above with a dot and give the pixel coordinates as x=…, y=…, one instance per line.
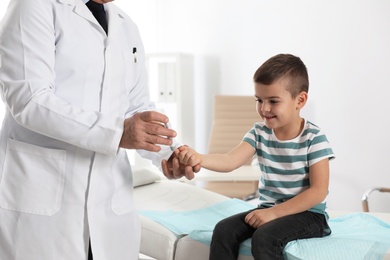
x=227, y=236
x=270, y=239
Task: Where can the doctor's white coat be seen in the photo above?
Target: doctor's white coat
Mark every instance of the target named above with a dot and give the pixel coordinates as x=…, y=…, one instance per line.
x=67, y=88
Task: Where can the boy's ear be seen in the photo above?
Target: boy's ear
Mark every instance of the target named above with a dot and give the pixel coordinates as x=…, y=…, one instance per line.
x=302, y=99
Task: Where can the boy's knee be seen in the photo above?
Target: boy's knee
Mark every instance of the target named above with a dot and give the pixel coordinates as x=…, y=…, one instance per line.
x=266, y=243
x=262, y=239
x=221, y=229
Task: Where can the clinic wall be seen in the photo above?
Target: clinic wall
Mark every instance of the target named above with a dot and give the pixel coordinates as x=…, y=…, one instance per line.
x=343, y=43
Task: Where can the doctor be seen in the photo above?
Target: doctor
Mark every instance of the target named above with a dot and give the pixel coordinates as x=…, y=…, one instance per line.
x=75, y=96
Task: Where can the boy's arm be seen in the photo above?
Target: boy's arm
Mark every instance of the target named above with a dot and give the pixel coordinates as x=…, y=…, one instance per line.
x=315, y=194
x=217, y=162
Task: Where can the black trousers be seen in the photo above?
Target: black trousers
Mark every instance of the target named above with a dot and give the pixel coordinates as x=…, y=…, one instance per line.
x=269, y=240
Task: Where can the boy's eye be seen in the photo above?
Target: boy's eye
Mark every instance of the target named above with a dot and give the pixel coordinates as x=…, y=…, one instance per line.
x=259, y=100
x=274, y=101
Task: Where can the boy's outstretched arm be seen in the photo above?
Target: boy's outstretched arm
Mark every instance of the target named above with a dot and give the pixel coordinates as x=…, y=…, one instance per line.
x=217, y=162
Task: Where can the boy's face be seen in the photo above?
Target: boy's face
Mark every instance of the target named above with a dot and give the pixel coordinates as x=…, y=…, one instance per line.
x=276, y=106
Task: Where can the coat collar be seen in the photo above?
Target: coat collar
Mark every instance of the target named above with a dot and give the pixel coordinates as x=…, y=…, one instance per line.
x=69, y=2
x=115, y=16
x=80, y=8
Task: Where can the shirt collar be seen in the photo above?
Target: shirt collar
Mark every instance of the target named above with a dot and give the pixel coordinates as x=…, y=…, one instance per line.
x=86, y=1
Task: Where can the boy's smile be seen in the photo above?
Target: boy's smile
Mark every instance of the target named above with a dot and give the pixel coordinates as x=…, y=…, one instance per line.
x=268, y=117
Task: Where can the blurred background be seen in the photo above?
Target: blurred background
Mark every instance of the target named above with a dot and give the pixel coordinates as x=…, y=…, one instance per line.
x=199, y=49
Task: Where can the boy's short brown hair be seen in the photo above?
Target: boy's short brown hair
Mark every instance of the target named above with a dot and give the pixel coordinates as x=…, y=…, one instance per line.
x=284, y=66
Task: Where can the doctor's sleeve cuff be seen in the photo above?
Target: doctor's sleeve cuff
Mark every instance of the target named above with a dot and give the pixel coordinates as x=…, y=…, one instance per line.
x=117, y=137
x=157, y=158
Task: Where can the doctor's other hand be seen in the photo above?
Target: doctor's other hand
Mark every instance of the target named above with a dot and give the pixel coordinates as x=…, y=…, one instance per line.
x=146, y=130
x=173, y=169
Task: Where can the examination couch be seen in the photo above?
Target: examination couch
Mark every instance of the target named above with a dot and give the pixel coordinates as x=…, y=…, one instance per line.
x=177, y=219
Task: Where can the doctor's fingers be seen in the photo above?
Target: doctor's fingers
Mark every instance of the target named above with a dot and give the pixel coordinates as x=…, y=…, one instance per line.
x=138, y=134
x=177, y=168
x=141, y=140
x=150, y=142
x=171, y=168
x=157, y=129
x=151, y=122
x=165, y=169
x=197, y=168
x=189, y=171
x=153, y=116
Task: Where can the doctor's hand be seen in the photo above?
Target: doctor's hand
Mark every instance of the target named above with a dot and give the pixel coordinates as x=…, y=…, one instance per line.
x=173, y=169
x=146, y=130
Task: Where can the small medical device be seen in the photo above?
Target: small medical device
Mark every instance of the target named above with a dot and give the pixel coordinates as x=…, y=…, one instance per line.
x=174, y=144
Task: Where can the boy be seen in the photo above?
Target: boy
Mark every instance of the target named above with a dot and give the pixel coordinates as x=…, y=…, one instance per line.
x=293, y=155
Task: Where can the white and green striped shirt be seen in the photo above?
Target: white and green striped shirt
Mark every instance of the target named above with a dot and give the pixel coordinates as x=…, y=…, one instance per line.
x=285, y=164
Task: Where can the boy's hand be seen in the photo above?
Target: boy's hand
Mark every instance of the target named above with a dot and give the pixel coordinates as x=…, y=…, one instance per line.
x=188, y=156
x=259, y=217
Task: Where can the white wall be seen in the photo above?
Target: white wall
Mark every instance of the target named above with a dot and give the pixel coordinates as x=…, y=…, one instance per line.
x=345, y=45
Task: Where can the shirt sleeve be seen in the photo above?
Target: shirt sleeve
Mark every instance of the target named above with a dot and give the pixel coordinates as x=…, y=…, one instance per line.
x=319, y=149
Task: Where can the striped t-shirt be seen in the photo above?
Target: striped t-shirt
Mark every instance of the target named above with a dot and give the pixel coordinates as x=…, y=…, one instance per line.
x=285, y=165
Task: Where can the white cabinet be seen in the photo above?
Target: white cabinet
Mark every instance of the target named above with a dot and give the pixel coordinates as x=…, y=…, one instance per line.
x=171, y=84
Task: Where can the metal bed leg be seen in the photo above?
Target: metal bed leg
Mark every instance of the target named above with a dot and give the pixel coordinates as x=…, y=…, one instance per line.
x=366, y=195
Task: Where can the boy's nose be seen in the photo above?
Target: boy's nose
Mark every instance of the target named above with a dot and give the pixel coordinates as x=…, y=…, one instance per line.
x=265, y=107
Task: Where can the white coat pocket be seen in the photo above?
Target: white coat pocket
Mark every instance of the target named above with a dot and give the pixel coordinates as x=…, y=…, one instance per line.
x=131, y=69
x=33, y=179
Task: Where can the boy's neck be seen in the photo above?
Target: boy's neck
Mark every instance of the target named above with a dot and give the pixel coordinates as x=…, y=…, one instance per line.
x=291, y=131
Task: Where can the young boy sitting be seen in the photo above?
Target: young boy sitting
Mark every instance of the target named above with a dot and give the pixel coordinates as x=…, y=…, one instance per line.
x=293, y=155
